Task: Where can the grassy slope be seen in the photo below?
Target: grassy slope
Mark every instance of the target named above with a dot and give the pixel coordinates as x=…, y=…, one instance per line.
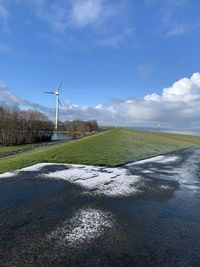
x=8, y=149
x=110, y=148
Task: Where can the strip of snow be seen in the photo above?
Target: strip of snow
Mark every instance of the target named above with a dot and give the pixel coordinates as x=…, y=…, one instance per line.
x=36, y=167
x=158, y=159
x=7, y=174
x=85, y=226
x=147, y=171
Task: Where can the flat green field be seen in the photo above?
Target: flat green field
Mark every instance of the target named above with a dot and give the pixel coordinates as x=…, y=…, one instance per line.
x=110, y=148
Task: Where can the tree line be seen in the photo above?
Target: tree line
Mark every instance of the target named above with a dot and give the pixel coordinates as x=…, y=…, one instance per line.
x=24, y=127
x=27, y=126
x=79, y=128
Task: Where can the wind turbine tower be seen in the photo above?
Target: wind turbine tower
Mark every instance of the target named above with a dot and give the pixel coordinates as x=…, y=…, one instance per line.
x=58, y=104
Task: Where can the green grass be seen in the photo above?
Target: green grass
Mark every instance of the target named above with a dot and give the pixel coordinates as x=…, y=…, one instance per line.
x=10, y=149
x=110, y=148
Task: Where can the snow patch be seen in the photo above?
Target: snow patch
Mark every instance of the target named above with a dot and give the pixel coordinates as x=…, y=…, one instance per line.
x=98, y=180
x=36, y=167
x=158, y=159
x=85, y=226
x=7, y=174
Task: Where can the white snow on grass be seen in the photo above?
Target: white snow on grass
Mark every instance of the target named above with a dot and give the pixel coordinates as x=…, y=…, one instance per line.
x=85, y=226
x=158, y=159
x=98, y=180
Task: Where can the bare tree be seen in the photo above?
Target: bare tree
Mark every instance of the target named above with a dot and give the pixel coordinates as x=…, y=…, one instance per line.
x=79, y=128
x=19, y=127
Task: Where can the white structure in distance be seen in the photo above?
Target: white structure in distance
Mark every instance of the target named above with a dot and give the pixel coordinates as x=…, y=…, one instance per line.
x=58, y=104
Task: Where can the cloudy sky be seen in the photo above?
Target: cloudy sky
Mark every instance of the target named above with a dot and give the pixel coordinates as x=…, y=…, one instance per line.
x=122, y=62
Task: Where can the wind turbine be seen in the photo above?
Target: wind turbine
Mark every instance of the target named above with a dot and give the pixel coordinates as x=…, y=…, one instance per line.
x=58, y=103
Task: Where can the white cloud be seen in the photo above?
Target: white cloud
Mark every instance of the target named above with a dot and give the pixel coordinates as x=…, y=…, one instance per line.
x=177, y=107
x=7, y=98
x=62, y=15
x=152, y=97
x=170, y=10
x=85, y=12
x=106, y=22
x=109, y=109
x=185, y=90
x=100, y=106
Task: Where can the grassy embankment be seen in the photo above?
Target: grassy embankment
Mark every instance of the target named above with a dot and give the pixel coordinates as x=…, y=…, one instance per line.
x=10, y=149
x=110, y=148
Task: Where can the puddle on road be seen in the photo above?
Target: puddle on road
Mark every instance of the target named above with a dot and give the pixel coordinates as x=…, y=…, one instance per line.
x=173, y=167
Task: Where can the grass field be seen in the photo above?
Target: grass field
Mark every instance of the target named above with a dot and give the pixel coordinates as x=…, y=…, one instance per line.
x=6, y=150
x=10, y=149
x=110, y=148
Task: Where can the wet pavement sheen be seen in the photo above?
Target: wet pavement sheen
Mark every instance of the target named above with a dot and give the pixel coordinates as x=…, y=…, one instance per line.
x=55, y=222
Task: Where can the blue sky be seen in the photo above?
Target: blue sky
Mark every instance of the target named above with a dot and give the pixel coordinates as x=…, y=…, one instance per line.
x=108, y=53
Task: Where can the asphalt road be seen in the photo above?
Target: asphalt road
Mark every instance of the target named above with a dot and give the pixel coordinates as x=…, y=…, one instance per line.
x=144, y=214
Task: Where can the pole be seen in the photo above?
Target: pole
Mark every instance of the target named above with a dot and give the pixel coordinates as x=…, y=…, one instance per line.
x=57, y=113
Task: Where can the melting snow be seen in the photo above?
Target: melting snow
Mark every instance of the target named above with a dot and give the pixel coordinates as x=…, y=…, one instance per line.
x=96, y=180
x=7, y=174
x=36, y=167
x=158, y=159
x=105, y=181
x=85, y=226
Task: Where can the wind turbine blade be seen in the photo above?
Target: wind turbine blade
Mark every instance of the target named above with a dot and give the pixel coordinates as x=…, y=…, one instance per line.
x=59, y=86
x=52, y=93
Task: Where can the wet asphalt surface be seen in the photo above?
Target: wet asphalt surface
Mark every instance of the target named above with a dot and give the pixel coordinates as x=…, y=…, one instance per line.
x=159, y=225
